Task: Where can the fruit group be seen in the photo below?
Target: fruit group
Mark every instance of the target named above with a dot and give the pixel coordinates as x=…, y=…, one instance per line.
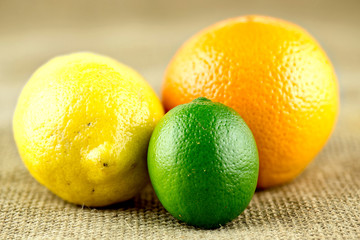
x=203, y=163
x=82, y=126
x=275, y=75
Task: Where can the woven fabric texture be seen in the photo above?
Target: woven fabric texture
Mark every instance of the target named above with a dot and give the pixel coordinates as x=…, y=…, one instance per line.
x=322, y=203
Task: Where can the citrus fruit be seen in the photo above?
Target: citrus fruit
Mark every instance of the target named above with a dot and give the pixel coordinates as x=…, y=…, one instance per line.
x=82, y=126
x=275, y=75
x=203, y=163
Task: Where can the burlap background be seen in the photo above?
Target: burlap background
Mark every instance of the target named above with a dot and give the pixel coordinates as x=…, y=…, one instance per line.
x=323, y=203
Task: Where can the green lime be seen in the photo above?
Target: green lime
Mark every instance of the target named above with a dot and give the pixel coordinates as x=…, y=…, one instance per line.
x=203, y=163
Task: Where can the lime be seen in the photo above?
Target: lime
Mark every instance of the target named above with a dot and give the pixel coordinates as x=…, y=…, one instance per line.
x=203, y=163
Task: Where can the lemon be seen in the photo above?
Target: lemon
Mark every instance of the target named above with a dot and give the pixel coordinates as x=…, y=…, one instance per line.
x=203, y=163
x=82, y=126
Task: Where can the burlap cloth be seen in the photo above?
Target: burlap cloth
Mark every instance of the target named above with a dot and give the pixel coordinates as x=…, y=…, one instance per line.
x=322, y=203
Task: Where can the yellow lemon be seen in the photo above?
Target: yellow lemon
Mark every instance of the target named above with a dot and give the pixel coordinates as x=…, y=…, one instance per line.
x=82, y=127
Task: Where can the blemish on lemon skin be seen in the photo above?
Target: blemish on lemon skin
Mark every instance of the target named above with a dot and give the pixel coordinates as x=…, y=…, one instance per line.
x=105, y=164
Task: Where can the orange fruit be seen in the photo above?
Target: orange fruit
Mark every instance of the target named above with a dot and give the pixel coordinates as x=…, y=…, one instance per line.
x=275, y=75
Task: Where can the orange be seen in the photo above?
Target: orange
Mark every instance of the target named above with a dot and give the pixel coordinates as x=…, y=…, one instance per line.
x=275, y=75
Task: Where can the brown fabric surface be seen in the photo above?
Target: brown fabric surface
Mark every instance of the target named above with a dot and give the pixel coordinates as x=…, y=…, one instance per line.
x=322, y=203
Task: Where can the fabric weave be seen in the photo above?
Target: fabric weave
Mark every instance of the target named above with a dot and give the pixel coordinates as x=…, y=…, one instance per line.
x=322, y=203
